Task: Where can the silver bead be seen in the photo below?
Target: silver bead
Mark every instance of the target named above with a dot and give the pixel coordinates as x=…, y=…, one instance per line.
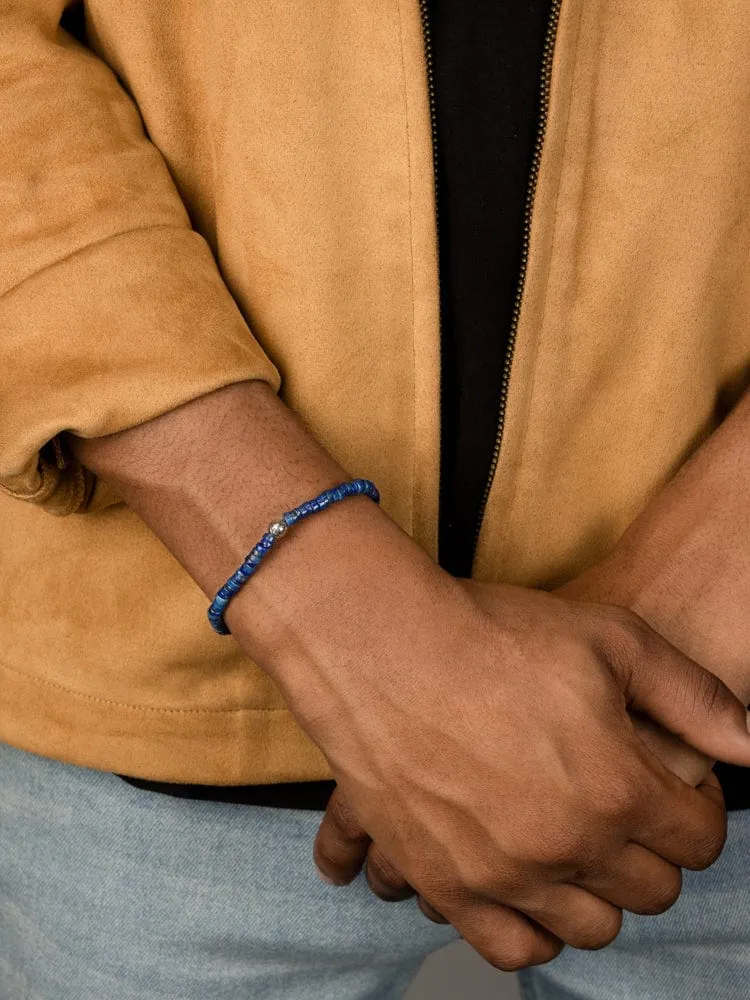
x=277, y=528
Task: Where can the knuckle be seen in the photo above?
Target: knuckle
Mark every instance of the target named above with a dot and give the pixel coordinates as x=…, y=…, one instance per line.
x=343, y=817
x=705, y=849
x=431, y=912
x=384, y=870
x=660, y=896
x=600, y=932
x=619, y=799
x=506, y=942
x=563, y=848
x=628, y=635
x=326, y=855
x=701, y=693
x=510, y=958
x=385, y=880
x=474, y=880
x=630, y=626
x=708, y=692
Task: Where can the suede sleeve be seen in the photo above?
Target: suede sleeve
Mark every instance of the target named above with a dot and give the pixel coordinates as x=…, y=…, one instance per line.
x=112, y=307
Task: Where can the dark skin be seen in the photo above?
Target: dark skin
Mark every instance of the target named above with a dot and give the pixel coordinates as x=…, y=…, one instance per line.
x=683, y=566
x=428, y=769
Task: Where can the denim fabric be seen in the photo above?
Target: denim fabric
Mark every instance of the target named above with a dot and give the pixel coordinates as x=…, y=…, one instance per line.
x=698, y=950
x=109, y=892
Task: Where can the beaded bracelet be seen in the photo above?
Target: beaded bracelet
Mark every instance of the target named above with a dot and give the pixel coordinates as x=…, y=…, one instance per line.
x=277, y=529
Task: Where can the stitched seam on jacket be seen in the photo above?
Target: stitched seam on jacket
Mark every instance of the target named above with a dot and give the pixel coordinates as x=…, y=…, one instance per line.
x=405, y=95
x=21, y=495
x=75, y=476
x=136, y=708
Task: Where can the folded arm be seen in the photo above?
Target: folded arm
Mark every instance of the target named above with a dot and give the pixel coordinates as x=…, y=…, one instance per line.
x=684, y=563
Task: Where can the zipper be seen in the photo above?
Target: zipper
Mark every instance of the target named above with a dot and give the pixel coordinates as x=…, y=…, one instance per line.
x=544, y=95
x=424, y=14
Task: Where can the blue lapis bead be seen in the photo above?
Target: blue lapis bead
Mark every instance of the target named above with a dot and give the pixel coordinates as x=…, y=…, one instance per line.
x=253, y=559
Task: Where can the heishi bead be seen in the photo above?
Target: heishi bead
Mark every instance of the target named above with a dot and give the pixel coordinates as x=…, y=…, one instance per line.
x=278, y=529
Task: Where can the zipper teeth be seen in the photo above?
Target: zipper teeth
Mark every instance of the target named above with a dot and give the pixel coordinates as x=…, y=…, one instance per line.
x=544, y=99
x=424, y=14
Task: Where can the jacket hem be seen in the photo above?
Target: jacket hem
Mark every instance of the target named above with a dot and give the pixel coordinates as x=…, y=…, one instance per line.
x=249, y=745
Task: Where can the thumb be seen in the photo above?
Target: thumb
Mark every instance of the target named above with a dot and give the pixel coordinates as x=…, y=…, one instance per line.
x=675, y=691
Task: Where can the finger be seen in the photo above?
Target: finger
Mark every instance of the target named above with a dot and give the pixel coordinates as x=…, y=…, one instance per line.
x=637, y=880
x=430, y=912
x=503, y=937
x=575, y=915
x=686, y=826
x=677, y=692
x=385, y=880
x=341, y=843
x=710, y=786
x=682, y=760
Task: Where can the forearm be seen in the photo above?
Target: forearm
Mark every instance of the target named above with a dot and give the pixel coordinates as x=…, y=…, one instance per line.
x=419, y=688
x=684, y=563
x=209, y=476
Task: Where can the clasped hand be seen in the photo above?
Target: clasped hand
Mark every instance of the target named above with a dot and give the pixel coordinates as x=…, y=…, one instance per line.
x=517, y=792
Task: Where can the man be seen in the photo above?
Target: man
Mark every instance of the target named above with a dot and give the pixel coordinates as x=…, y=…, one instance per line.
x=247, y=213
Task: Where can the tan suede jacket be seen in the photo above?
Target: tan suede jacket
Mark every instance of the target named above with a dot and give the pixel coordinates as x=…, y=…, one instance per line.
x=215, y=192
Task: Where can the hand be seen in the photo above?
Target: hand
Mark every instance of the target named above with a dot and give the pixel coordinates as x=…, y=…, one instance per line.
x=343, y=846
x=597, y=834
x=694, y=767
x=346, y=848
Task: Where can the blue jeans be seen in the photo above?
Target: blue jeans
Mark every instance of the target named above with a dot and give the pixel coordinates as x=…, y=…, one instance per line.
x=698, y=950
x=109, y=892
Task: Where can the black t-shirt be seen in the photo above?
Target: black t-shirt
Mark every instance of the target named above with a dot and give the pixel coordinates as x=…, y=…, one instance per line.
x=487, y=61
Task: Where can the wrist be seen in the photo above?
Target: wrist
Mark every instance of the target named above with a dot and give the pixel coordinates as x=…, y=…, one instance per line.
x=682, y=607
x=336, y=601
